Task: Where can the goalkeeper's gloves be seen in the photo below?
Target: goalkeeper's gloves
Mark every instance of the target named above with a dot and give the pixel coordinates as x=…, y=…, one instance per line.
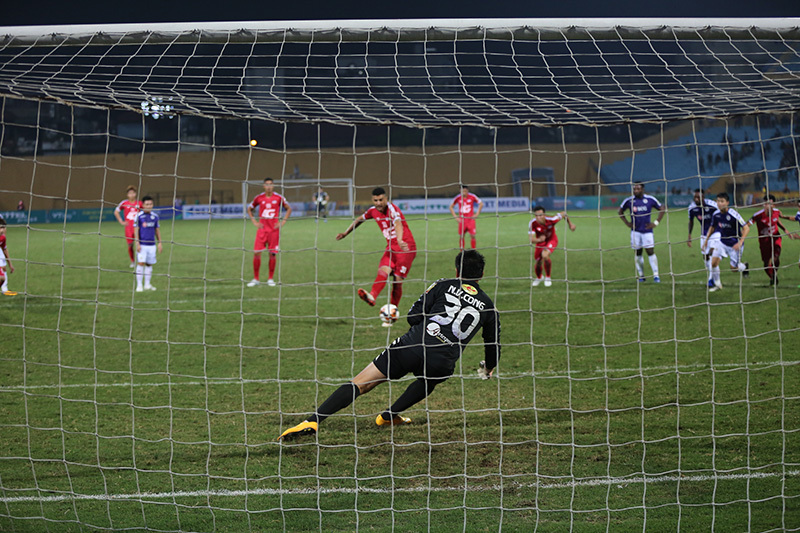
x=483, y=372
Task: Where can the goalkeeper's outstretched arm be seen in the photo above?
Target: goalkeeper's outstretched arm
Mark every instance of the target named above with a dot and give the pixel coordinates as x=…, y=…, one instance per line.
x=491, y=344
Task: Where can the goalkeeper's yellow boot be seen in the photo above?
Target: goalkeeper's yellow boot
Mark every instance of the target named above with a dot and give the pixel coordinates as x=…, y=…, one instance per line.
x=9, y=293
x=396, y=421
x=302, y=429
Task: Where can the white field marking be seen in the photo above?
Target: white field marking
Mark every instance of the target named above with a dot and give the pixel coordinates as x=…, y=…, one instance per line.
x=47, y=300
x=544, y=373
x=593, y=482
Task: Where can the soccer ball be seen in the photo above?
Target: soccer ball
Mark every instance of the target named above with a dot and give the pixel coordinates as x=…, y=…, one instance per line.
x=389, y=314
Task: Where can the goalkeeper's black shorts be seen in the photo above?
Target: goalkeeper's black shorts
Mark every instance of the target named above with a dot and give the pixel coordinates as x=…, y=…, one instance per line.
x=403, y=357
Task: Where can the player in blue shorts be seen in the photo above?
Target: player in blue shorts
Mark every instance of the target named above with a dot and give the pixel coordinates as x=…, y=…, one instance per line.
x=641, y=206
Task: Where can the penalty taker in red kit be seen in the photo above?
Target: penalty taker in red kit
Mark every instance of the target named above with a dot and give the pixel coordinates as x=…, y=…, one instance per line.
x=400, y=247
x=443, y=321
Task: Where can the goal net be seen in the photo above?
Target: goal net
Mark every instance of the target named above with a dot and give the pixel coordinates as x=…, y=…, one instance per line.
x=629, y=395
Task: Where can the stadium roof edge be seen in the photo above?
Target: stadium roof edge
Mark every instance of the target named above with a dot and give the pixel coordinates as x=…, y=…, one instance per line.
x=409, y=29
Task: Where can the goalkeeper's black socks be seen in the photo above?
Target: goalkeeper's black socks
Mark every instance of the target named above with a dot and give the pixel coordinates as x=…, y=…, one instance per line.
x=341, y=398
x=415, y=393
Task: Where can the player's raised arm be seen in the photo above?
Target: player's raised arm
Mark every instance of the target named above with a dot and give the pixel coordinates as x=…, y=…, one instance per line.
x=353, y=225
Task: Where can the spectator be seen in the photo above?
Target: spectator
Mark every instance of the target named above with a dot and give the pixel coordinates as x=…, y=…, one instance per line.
x=21, y=206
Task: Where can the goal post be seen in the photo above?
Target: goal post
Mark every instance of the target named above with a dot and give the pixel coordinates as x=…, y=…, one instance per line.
x=629, y=395
x=300, y=193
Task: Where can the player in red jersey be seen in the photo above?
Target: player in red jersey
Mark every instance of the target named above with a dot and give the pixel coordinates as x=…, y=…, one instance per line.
x=5, y=261
x=467, y=214
x=130, y=210
x=269, y=205
x=767, y=222
x=542, y=232
x=400, y=246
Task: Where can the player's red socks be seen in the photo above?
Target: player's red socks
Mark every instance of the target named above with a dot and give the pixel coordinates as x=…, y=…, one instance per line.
x=548, y=266
x=397, y=292
x=538, y=269
x=272, y=260
x=473, y=243
x=379, y=284
x=130, y=253
x=256, y=265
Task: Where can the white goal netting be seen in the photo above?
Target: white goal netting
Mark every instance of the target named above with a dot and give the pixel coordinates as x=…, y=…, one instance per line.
x=624, y=399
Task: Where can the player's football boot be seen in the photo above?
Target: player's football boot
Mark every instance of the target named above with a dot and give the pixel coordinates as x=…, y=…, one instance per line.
x=367, y=297
x=9, y=293
x=717, y=287
x=300, y=430
x=271, y=282
x=710, y=283
x=386, y=324
x=396, y=421
x=139, y=289
x=746, y=271
x=548, y=282
x=656, y=279
x=252, y=283
x=642, y=280
x=149, y=288
x=536, y=282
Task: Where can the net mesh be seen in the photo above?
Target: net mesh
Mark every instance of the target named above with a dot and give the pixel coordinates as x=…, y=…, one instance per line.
x=627, y=404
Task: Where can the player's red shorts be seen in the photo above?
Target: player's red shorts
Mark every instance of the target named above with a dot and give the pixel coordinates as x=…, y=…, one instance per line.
x=399, y=262
x=130, y=233
x=466, y=225
x=546, y=245
x=770, y=247
x=267, y=239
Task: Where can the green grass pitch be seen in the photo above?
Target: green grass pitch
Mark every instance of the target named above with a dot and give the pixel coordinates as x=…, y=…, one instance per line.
x=620, y=406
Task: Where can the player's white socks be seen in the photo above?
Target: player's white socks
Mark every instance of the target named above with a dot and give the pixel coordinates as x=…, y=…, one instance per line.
x=4, y=286
x=741, y=267
x=653, y=264
x=139, y=274
x=715, y=274
x=148, y=274
x=640, y=265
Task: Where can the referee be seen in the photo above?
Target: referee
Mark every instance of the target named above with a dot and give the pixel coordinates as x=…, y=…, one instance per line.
x=443, y=321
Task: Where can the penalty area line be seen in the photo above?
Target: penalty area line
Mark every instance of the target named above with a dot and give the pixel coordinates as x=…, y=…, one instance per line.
x=620, y=482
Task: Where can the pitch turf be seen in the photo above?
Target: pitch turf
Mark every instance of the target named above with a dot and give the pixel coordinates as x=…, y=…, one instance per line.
x=621, y=406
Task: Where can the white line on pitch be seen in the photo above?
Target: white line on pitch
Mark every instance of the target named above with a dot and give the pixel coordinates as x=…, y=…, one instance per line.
x=238, y=381
x=621, y=482
x=47, y=300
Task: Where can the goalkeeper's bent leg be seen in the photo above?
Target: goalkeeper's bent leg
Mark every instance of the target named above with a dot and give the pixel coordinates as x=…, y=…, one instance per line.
x=417, y=391
x=341, y=398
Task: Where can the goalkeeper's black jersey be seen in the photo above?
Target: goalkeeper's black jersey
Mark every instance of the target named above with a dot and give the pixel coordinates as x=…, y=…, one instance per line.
x=449, y=314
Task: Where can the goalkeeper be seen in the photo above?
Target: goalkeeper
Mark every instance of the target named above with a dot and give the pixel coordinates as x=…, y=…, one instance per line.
x=443, y=321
